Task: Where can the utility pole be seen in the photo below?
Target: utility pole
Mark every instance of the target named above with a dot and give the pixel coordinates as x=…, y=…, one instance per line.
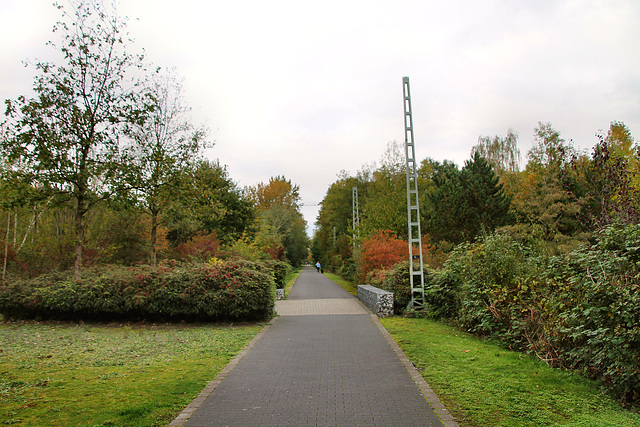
x=416, y=266
x=355, y=214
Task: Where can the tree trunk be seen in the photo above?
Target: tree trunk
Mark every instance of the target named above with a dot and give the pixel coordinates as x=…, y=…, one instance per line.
x=77, y=267
x=6, y=247
x=154, y=234
x=33, y=225
x=15, y=228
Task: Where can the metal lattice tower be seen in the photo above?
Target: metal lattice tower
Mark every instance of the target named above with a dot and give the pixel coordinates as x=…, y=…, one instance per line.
x=356, y=214
x=416, y=266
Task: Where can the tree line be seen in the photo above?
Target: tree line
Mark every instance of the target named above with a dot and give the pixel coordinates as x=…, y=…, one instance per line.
x=103, y=164
x=543, y=259
x=561, y=199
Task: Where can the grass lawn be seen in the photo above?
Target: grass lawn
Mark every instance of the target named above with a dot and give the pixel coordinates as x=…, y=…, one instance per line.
x=482, y=384
x=291, y=278
x=348, y=286
x=109, y=375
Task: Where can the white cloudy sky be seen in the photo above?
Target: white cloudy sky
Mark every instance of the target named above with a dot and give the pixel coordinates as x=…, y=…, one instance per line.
x=306, y=89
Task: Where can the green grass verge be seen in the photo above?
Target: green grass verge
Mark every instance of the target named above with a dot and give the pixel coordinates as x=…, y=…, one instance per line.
x=291, y=278
x=482, y=384
x=101, y=375
x=348, y=286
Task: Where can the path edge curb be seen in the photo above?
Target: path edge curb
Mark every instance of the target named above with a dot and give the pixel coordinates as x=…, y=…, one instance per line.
x=441, y=411
x=184, y=416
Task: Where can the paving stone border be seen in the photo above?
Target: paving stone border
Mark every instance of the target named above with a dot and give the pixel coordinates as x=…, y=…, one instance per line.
x=181, y=419
x=434, y=401
x=324, y=306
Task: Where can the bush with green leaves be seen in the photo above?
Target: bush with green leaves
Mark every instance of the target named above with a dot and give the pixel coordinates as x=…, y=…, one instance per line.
x=348, y=270
x=441, y=294
x=235, y=290
x=494, y=295
x=579, y=311
x=397, y=280
x=500, y=287
x=279, y=269
x=375, y=278
x=600, y=329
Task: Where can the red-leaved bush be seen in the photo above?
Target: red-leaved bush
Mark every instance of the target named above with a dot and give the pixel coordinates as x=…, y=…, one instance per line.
x=200, y=248
x=382, y=251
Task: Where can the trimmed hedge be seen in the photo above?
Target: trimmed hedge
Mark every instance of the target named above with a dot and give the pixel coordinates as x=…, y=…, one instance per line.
x=235, y=290
x=279, y=270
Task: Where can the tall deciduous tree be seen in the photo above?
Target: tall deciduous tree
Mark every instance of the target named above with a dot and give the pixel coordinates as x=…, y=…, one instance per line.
x=620, y=140
x=543, y=208
x=385, y=204
x=332, y=239
x=207, y=200
x=280, y=221
x=501, y=152
x=278, y=191
x=550, y=151
x=607, y=184
x=67, y=133
x=163, y=144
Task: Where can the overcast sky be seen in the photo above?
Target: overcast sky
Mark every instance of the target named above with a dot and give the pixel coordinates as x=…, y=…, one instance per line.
x=306, y=89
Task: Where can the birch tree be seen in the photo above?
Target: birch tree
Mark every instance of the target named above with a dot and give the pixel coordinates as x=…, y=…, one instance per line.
x=162, y=145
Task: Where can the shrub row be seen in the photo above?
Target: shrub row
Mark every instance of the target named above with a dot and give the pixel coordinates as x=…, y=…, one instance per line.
x=580, y=311
x=279, y=270
x=234, y=290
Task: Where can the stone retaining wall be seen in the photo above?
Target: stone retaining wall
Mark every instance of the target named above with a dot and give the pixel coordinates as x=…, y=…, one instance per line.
x=378, y=300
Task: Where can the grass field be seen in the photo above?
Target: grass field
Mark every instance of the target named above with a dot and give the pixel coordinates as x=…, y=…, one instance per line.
x=348, y=286
x=483, y=384
x=109, y=375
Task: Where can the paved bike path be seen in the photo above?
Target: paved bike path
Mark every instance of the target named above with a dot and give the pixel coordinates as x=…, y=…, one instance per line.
x=325, y=361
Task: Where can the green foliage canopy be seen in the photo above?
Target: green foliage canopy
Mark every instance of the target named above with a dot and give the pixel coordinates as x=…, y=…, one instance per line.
x=66, y=136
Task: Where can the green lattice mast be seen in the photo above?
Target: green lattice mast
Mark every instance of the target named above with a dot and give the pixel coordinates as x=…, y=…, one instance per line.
x=413, y=207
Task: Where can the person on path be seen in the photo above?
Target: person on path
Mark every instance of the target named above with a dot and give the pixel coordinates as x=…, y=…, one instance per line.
x=318, y=266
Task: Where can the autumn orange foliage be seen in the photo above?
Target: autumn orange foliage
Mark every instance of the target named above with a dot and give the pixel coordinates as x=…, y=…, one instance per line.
x=202, y=247
x=275, y=252
x=382, y=251
x=279, y=191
